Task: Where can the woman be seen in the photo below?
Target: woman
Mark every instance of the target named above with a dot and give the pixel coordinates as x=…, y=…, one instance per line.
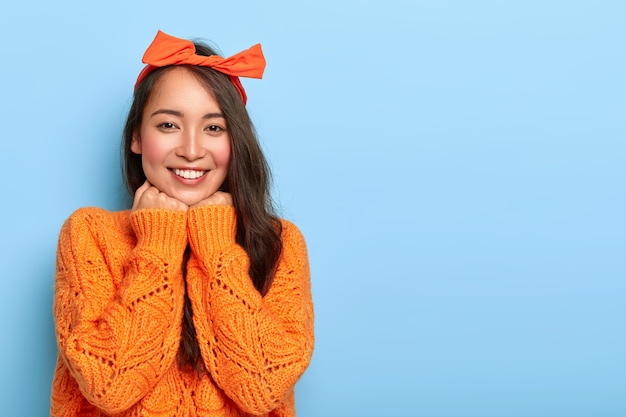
x=196, y=301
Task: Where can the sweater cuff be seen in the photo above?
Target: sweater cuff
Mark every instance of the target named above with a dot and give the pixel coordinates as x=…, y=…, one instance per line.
x=211, y=226
x=162, y=230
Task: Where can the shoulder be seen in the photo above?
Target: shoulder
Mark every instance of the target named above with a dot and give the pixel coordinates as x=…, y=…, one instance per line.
x=90, y=220
x=97, y=216
x=292, y=238
x=290, y=230
x=84, y=213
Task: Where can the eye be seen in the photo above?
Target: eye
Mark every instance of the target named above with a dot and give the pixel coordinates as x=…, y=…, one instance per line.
x=215, y=129
x=166, y=126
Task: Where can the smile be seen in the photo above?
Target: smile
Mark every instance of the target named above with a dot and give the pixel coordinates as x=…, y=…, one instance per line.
x=188, y=174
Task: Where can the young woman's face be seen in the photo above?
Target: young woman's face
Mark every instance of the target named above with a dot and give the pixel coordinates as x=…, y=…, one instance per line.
x=183, y=138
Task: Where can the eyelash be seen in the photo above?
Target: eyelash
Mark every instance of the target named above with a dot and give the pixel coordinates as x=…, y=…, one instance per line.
x=166, y=125
x=210, y=128
x=215, y=129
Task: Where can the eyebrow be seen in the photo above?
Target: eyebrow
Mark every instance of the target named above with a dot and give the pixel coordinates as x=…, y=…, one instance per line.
x=180, y=114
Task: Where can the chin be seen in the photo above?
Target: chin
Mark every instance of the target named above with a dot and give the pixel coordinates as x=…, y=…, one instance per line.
x=190, y=200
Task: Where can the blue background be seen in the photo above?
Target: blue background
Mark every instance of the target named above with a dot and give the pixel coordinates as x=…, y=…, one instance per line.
x=457, y=168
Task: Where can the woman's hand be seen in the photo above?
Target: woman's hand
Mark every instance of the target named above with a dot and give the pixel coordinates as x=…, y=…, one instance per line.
x=148, y=196
x=219, y=198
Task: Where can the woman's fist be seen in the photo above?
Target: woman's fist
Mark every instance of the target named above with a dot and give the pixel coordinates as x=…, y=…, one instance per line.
x=148, y=196
x=219, y=198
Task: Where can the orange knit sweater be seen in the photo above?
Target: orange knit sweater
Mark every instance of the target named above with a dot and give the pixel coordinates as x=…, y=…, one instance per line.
x=119, y=295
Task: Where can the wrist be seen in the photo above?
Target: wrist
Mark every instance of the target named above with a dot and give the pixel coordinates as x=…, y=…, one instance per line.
x=163, y=230
x=213, y=226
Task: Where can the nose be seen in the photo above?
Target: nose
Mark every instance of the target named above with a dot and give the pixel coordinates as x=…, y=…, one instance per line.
x=190, y=146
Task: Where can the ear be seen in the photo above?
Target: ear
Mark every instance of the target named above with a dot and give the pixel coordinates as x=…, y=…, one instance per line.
x=135, y=144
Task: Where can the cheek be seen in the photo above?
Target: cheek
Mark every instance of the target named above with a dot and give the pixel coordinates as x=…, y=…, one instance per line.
x=222, y=154
x=152, y=151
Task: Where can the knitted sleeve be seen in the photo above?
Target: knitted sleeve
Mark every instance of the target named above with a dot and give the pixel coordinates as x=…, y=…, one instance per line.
x=118, y=302
x=254, y=347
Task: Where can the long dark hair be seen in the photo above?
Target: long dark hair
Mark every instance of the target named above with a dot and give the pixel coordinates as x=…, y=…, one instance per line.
x=248, y=181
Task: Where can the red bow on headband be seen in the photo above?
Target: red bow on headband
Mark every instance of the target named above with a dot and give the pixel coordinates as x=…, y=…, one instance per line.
x=167, y=50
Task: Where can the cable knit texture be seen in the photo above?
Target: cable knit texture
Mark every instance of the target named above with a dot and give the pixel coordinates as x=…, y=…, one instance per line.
x=119, y=295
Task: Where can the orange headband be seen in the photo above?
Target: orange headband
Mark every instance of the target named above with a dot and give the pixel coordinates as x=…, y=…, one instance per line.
x=167, y=50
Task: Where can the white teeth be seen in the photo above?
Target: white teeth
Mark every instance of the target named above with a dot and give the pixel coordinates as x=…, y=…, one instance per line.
x=188, y=174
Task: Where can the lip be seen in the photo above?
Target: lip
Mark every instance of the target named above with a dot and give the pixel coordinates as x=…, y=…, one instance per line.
x=189, y=181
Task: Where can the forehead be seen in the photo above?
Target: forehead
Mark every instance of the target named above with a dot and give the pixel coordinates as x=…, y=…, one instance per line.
x=179, y=85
